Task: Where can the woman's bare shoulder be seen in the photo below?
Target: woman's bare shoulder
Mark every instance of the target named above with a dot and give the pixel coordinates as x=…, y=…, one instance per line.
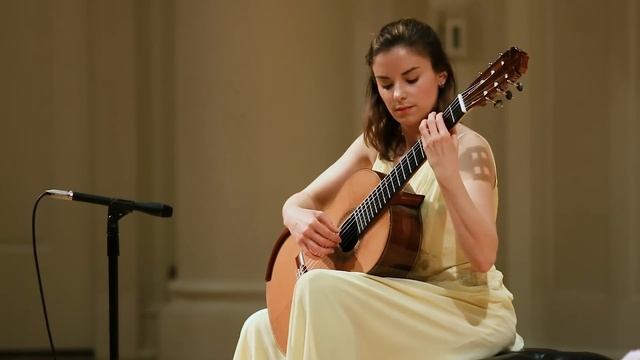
x=469, y=137
x=476, y=157
x=365, y=150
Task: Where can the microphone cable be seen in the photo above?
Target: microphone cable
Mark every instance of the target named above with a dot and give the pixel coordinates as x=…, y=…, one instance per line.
x=35, y=257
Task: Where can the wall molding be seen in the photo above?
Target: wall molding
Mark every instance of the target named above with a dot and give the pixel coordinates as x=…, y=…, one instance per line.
x=207, y=290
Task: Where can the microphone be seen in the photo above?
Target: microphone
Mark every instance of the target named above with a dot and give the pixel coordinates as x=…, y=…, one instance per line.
x=155, y=209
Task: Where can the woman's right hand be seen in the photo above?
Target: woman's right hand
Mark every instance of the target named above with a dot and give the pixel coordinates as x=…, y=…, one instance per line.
x=313, y=231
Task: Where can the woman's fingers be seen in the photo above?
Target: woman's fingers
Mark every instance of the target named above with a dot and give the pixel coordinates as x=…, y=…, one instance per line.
x=424, y=130
x=431, y=124
x=313, y=231
x=306, y=249
x=439, y=122
x=327, y=229
x=313, y=248
x=319, y=239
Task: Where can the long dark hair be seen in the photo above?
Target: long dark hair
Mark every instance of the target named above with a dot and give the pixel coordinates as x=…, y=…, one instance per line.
x=382, y=131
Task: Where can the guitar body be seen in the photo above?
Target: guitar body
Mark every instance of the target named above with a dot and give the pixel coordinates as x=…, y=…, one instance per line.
x=388, y=247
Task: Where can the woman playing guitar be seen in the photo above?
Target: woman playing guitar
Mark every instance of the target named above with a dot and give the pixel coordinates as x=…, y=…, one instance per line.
x=451, y=303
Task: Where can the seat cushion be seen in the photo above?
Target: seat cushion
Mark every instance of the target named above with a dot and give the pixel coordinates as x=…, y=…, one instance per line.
x=547, y=354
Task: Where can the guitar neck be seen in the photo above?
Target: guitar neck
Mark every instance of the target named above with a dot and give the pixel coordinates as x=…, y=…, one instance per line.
x=392, y=183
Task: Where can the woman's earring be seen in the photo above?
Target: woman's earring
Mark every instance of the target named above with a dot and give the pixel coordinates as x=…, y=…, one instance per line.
x=441, y=85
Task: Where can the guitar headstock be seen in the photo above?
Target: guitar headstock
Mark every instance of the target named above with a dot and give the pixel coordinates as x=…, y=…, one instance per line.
x=496, y=80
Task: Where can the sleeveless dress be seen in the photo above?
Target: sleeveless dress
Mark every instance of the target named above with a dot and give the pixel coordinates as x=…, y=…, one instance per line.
x=444, y=310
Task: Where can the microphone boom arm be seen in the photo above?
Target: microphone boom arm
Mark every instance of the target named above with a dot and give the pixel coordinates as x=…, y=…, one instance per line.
x=151, y=208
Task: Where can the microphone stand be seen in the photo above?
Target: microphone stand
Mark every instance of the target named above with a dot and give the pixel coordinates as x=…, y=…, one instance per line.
x=116, y=212
x=118, y=208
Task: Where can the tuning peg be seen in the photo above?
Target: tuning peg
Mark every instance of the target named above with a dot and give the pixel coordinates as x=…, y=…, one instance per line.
x=496, y=103
x=518, y=85
x=508, y=94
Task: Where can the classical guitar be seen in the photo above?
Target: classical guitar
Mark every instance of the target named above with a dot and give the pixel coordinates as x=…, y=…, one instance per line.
x=380, y=225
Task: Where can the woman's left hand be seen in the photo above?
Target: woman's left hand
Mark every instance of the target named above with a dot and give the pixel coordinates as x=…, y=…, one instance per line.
x=440, y=146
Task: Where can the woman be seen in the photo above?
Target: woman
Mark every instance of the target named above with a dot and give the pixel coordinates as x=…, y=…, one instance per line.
x=454, y=305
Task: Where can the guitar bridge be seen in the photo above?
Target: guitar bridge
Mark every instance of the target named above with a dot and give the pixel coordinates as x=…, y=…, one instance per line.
x=302, y=268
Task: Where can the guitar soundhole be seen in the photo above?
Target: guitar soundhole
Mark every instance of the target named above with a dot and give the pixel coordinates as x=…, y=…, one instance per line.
x=344, y=256
x=349, y=243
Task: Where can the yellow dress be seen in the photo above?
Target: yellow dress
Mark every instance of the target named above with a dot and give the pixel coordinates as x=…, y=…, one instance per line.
x=444, y=311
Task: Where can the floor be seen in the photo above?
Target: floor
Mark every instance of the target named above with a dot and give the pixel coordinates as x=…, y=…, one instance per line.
x=44, y=355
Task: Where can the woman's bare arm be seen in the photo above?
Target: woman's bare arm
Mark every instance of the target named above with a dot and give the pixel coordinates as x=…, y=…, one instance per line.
x=302, y=213
x=467, y=187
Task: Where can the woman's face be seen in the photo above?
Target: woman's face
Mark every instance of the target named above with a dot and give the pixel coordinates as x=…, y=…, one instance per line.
x=407, y=84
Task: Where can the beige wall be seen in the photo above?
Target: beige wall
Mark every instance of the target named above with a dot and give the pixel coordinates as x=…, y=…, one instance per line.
x=80, y=110
x=580, y=250
x=264, y=101
x=225, y=108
